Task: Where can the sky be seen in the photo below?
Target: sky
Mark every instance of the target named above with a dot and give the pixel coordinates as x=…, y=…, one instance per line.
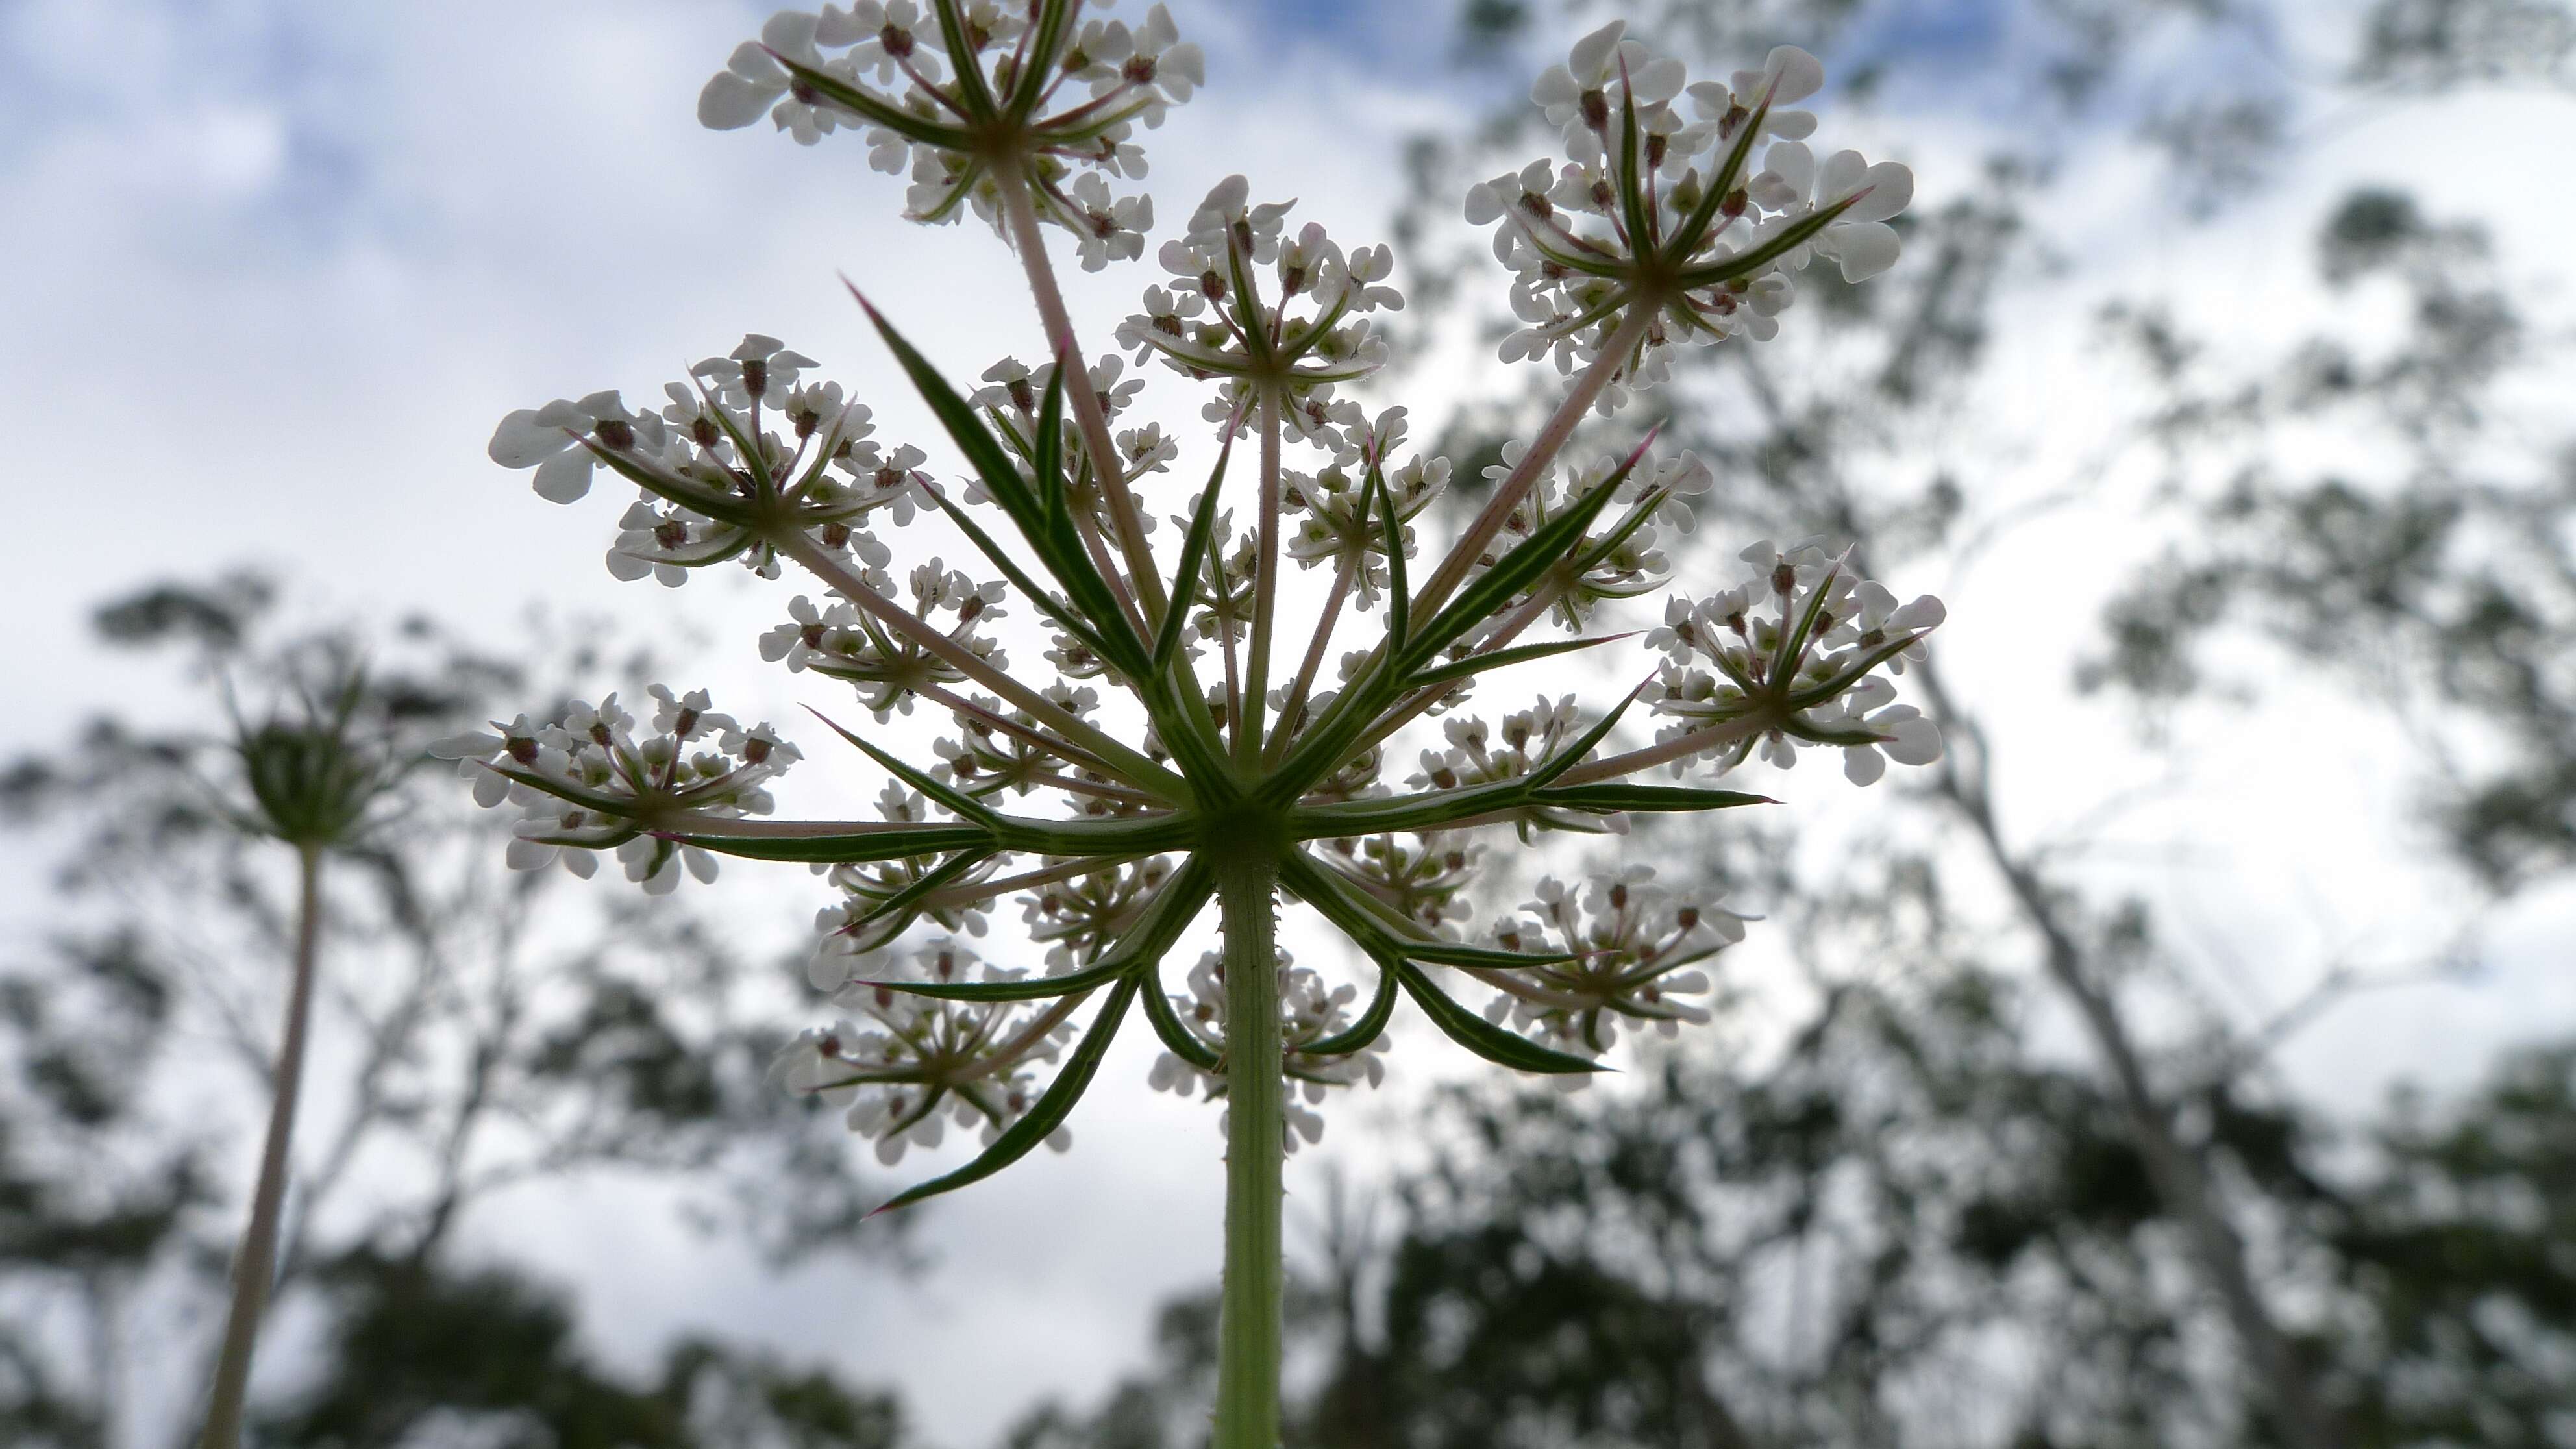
x=277, y=266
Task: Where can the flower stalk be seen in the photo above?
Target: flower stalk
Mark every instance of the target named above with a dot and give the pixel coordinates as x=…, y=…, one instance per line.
x=1149, y=769
x=255, y=1266
x=1248, y=1325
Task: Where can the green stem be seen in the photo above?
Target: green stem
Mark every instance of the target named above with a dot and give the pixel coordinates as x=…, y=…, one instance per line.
x=257, y=1265
x=1248, y=1335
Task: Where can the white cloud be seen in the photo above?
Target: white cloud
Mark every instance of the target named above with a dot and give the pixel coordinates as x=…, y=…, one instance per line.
x=276, y=269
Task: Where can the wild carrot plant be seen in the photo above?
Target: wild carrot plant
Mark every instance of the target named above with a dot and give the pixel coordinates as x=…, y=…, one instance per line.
x=1193, y=736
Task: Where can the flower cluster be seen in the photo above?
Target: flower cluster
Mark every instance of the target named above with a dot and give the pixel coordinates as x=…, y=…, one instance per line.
x=1626, y=948
x=1793, y=649
x=1337, y=521
x=1010, y=402
x=1619, y=559
x=1656, y=229
x=882, y=899
x=716, y=479
x=930, y=94
x=1212, y=321
x=889, y=670
x=1164, y=735
x=587, y=784
x=902, y=1064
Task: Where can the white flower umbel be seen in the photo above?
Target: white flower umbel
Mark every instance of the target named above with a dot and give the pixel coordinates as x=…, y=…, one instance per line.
x=1656, y=231
x=587, y=784
x=1169, y=741
x=1629, y=950
x=1786, y=660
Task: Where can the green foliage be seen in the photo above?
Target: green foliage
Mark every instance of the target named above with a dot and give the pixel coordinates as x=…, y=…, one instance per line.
x=458, y=1055
x=489, y=1353
x=2443, y=581
x=2458, y=1251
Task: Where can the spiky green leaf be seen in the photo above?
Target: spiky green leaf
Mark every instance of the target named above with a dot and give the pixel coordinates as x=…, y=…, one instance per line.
x=957, y=802
x=1567, y=758
x=1193, y=553
x=1046, y=1114
x=1175, y=1035
x=1484, y=596
x=1482, y=1037
x=1024, y=988
x=1064, y=557
x=821, y=847
x=1644, y=798
x=1399, y=593
x=1370, y=1026
x=1475, y=664
x=950, y=871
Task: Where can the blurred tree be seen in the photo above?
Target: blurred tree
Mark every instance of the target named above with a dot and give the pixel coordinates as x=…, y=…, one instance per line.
x=1909, y=1228
x=459, y=1054
x=1910, y=1224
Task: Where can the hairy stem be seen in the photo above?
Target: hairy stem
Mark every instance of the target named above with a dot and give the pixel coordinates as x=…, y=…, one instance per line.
x=1002, y=724
x=1022, y=215
x=1265, y=591
x=1248, y=1332
x=1421, y=699
x=1542, y=451
x=257, y=1263
x=1127, y=763
x=1679, y=747
x=1323, y=638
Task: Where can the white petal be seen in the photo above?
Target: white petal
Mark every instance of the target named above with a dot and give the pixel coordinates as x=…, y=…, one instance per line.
x=1592, y=52
x=791, y=31
x=530, y=854
x=1865, y=250
x=1658, y=80
x=1890, y=186
x=1843, y=173
x=521, y=441
x=565, y=476
x=1862, y=764
x=836, y=27
x=1794, y=75
x=1793, y=163
x=1917, y=742
x=473, y=745
x=627, y=568
x=730, y=102
x=491, y=787
x=754, y=63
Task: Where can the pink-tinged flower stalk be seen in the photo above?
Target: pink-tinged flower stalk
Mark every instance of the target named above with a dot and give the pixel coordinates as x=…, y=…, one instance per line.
x=1185, y=739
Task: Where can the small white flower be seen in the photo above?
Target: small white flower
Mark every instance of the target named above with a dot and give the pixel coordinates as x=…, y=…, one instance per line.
x=1859, y=240
x=555, y=440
